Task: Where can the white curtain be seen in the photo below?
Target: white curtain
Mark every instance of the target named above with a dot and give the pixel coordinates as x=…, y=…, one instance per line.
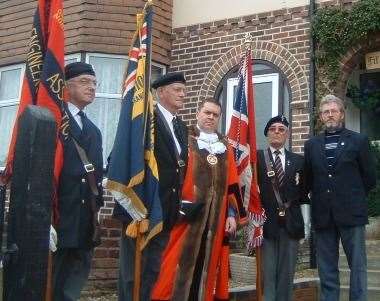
x=9, y=97
x=104, y=111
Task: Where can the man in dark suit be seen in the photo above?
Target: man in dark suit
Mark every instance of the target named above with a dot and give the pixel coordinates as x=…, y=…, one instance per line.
x=280, y=175
x=171, y=155
x=339, y=173
x=72, y=260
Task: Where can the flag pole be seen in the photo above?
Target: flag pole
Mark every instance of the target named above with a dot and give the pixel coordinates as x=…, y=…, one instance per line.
x=139, y=228
x=137, y=274
x=259, y=292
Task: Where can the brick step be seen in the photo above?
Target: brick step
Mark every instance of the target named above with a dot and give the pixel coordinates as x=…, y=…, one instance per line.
x=305, y=289
x=373, y=277
x=373, y=262
x=103, y=274
x=243, y=268
x=373, y=293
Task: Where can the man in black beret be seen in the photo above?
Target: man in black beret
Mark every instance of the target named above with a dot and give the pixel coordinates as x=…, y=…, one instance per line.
x=171, y=155
x=78, y=188
x=280, y=182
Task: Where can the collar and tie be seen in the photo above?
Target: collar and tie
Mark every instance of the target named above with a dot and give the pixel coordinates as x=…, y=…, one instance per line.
x=85, y=133
x=177, y=131
x=279, y=170
x=84, y=120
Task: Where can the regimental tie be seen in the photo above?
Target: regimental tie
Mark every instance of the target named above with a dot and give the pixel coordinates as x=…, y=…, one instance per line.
x=85, y=129
x=83, y=119
x=177, y=131
x=278, y=168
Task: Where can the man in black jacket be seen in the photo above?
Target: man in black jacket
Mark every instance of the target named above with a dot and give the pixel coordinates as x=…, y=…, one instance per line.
x=72, y=260
x=171, y=155
x=339, y=173
x=280, y=175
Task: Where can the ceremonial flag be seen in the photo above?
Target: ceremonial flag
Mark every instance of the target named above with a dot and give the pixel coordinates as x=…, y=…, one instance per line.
x=43, y=82
x=242, y=136
x=133, y=171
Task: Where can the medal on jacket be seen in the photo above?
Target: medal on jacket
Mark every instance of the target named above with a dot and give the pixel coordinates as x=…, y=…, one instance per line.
x=212, y=159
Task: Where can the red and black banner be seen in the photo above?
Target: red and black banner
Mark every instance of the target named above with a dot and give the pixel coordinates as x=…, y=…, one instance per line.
x=43, y=83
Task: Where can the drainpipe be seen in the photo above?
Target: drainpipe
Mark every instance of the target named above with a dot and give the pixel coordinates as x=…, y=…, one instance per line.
x=312, y=70
x=313, y=258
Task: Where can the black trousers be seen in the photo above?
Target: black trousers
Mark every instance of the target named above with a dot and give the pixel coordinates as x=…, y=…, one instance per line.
x=150, y=268
x=71, y=268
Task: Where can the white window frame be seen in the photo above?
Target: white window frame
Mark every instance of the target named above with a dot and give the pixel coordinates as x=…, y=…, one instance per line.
x=13, y=101
x=163, y=67
x=76, y=56
x=256, y=79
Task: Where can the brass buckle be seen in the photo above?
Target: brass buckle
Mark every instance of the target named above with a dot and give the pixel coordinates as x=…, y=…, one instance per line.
x=89, y=167
x=270, y=174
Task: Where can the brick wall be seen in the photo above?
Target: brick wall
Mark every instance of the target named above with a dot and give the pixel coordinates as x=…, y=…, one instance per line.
x=90, y=25
x=206, y=52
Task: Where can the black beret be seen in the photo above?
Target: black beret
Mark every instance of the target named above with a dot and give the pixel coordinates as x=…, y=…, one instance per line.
x=169, y=78
x=78, y=68
x=276, y=119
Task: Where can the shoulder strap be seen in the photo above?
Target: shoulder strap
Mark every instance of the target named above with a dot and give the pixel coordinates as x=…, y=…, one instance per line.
x=88, y=167
x=272, y=175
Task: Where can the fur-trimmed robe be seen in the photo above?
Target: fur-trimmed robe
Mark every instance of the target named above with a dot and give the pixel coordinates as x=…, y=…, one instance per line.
x=217, y=187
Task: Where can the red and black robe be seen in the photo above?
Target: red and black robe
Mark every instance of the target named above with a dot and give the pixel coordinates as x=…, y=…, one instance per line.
x=203, y=244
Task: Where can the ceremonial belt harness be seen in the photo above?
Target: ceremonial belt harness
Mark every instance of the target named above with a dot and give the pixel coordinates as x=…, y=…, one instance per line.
x=90, y=175
x=282, y=206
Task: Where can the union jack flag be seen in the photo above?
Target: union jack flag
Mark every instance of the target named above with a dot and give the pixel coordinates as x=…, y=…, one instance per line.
x=242, y=136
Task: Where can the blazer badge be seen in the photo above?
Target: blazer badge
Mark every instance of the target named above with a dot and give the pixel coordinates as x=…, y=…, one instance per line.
x=297, y=178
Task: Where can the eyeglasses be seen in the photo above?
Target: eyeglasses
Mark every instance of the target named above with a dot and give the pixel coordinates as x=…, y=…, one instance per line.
x=281, y=130
x=86, y=82
x=328, y=112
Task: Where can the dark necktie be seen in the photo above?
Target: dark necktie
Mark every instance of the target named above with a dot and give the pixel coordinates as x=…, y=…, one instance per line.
x=84, y=120
x=177, y=131
x=85, y=136
x=278, y=167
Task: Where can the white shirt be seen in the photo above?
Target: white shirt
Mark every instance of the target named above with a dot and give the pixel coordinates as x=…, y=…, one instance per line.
x=169, y=120
x=282, y=155
x=210, y=142
x=74, y=112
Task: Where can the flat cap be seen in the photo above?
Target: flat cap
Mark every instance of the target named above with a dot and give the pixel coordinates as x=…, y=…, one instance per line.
x=169, y=78
x=78, y=68
x=276, y=119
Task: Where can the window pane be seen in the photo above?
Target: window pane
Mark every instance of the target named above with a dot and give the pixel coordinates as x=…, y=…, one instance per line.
x=10, y=84
x=261, y=67
x=70, y=60
x=104, y=112
x=156, y=72
x=263, y=110
x=109, y=73
x=7, y=119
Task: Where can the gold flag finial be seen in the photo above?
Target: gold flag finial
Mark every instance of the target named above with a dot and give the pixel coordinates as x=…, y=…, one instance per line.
x=248, y=40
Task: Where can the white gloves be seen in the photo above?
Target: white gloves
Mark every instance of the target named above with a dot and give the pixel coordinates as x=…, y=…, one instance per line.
x=125, y=203
x=53, y=239
x=132, y=211
x=305, y=210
